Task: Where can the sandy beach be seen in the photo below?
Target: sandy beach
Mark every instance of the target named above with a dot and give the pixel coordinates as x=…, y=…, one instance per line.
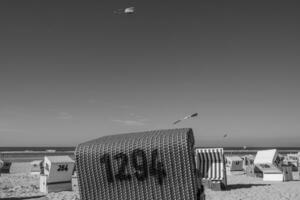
x=26, y=186
x=240, y=187
x=142, y=99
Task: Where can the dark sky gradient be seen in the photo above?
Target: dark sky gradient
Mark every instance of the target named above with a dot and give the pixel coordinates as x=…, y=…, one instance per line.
x=71, y=71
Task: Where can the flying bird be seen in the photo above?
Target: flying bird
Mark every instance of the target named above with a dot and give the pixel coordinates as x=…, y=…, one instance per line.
x=186, y=117
x=126, y=11
x=129, y=10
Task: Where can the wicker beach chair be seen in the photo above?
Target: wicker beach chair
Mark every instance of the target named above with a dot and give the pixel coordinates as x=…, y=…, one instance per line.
x=138, y=166
x=211, y=164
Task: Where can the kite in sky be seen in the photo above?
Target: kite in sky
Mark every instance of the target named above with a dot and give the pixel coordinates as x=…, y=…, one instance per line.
x=186, y=117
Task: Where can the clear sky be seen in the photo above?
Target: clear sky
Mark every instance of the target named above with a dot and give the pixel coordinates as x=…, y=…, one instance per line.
x=71, y=71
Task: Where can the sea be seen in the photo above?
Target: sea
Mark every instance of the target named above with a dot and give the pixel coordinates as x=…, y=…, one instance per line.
x=28, y=154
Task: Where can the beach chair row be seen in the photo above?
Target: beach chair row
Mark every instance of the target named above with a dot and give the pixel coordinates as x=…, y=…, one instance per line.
x=161, y=164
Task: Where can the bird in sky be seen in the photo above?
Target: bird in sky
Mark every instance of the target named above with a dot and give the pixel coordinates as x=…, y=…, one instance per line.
x=126, y=11
x=129, y=10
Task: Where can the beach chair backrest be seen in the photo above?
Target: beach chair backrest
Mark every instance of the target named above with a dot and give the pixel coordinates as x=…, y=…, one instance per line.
x=58, y=168
x=211, y=163
x=293, y=159
x=138, y=166
x=266, y=157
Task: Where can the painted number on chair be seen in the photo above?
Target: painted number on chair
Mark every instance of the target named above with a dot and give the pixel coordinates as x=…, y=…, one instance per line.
x=143, y=168
x=62, y=168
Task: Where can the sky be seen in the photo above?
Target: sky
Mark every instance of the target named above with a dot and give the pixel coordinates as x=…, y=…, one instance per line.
x=72, y=71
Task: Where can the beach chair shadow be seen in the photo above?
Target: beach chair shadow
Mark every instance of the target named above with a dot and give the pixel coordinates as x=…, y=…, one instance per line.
x=41, y=197
x=241, y=186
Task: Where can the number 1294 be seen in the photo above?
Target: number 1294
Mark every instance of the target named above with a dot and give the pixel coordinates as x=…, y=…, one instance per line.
x=139, y=162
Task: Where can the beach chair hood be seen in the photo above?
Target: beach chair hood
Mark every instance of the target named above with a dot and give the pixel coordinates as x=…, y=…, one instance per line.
x=267, y=157
x=138, y=166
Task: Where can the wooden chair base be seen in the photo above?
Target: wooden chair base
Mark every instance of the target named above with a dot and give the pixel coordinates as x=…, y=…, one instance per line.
x=214, y=185
x=54, y=187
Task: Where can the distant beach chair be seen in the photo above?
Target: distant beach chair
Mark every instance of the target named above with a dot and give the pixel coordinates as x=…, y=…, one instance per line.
x=268, y=162
x=287, y=173
x=139, y=166
x=1, y=165
x=211, y=164
x=5, y=169
x=292, y=160
x=249, y=170
x=298, y=162
x=57, y=174
x=248, y=160
x=35, y=167
x=234, y=163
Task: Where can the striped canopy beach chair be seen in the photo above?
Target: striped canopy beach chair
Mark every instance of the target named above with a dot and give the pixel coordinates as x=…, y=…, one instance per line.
x=210, y=163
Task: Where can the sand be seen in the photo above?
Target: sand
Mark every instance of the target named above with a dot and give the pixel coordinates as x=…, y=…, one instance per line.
x=240, y=186
x=24, y=185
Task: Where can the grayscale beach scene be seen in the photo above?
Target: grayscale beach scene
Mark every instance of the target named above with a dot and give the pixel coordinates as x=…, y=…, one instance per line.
x=142, y=100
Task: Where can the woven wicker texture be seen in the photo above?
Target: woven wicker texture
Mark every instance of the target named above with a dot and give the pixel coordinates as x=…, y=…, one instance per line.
x=120, y=167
